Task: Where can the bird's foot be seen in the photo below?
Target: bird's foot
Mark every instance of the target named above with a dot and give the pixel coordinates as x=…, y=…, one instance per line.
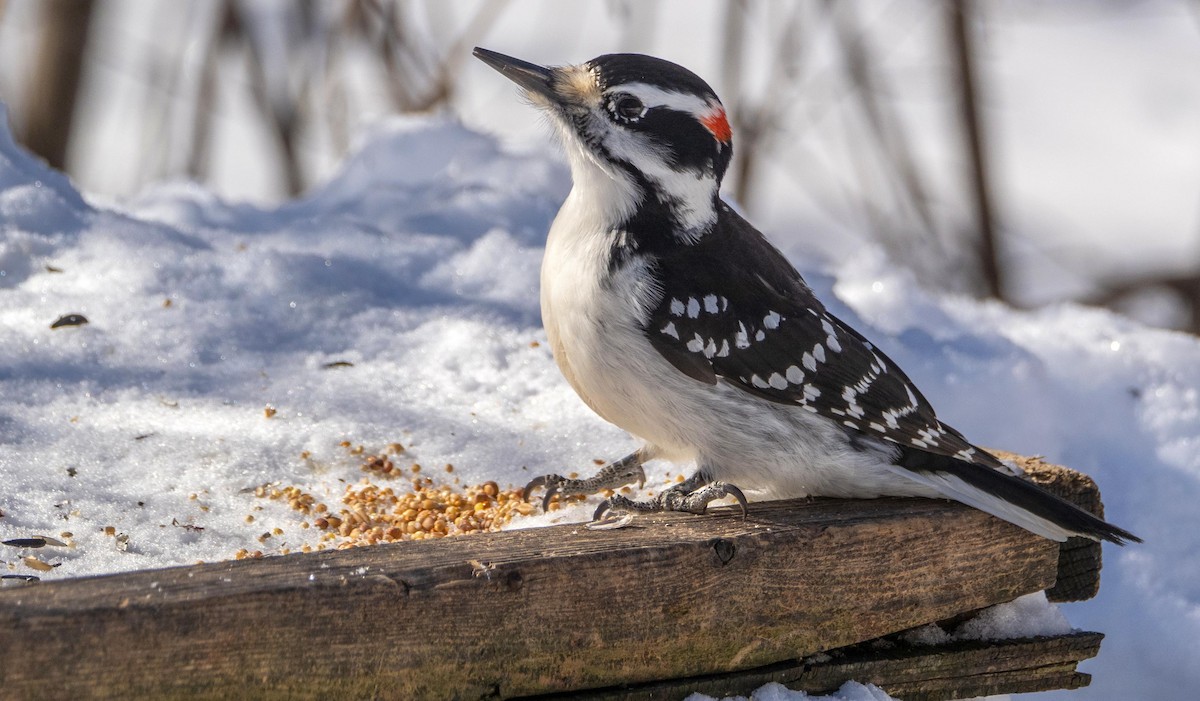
x=613, y=475
x=617, y=510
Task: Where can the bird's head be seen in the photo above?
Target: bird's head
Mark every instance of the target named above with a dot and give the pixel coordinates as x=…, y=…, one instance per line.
x=647, y=132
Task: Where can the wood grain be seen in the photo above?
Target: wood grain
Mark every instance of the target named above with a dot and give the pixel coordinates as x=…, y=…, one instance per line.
x=942, y=672
x=556, y=609
x=1079, y=559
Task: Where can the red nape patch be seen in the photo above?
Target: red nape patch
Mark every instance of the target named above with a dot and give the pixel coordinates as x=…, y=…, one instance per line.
x=719, y=126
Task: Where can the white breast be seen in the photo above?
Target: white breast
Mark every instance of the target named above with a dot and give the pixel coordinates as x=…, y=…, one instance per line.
x=594, y=323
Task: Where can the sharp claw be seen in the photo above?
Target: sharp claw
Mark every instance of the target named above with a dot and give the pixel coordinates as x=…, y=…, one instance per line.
x=533, y=484
x=600, y=510
x=641, y=477
x=741, y=498
x=549, y=495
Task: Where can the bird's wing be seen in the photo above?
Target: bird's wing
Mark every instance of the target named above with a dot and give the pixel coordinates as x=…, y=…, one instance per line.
x=738, y=312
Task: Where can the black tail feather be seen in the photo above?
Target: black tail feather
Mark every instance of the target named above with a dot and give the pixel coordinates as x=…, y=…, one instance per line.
x=1021, y=494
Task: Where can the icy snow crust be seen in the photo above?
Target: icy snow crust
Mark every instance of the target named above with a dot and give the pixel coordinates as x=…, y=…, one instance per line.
x=418, y=264
x=1026, y=616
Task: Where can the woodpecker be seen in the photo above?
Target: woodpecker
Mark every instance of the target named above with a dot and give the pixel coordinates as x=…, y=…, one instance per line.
x=672, y=317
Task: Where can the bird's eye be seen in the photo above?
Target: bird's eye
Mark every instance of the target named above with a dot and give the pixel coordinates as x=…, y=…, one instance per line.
x=628, y=108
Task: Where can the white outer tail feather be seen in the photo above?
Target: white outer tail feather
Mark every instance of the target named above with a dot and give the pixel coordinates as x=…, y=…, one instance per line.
x=959, y=490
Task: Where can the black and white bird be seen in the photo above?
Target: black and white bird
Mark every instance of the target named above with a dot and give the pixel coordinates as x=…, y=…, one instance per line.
x=675, y=319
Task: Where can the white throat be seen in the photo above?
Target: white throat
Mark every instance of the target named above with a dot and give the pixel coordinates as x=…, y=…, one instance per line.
x=614, y=193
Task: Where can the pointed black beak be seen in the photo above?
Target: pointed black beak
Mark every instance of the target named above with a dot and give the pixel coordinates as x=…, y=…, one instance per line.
x=534, y=78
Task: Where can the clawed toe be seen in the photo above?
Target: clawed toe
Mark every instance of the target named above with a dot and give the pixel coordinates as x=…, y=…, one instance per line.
x=618, y=504
x=673, y=499
x=552, y=483
x=534, y=484
x=693, y=495
x=613, y=475
x=724, y=489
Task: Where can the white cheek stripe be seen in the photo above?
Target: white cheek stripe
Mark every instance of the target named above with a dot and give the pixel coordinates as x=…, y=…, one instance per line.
x=653, y=96
x=693, y=192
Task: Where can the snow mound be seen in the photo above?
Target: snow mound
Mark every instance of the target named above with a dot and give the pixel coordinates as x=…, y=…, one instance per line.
x=1028, y=616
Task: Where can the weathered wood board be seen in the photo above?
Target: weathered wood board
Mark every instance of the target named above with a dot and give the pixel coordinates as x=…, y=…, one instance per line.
x=942, y=672
x=521, y=612
x=1079, y=559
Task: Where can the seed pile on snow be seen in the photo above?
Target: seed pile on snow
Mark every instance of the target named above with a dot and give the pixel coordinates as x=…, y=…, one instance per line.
x=398, y=502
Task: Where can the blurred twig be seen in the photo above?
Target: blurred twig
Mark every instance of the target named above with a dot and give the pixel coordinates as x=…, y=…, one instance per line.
x=196, y=163
x=961, y=15
x=885, y=124
x=278, y=102
x=1185, y=286
x=420, y=76
x=758, y=123
x=50, y=99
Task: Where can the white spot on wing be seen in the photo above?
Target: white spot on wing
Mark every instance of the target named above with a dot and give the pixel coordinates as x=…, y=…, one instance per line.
x=809, y=362
x=669, y=330
x=710, y=304
x=693, y=308
x=795, y=375
x=776, y=380
x=932, y=435
x=758, y=382
x=830, y=335
x=741, y=339
x=771, y=320
x=819, y=353
x=676, y=308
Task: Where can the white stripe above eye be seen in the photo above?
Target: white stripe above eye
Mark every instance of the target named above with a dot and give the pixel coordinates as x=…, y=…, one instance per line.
x=654, y=96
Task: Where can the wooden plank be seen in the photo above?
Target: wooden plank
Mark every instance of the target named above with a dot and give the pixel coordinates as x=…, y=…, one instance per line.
x=961, y=669
x=912, y=672
x=554, y=609
x=1079, y=559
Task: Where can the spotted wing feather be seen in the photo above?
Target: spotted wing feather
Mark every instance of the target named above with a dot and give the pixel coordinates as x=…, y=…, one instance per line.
x=738, y=312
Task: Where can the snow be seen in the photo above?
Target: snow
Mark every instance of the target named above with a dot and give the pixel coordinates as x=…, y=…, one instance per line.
x=1027, y=616
x=417, y=263
x=850, y=691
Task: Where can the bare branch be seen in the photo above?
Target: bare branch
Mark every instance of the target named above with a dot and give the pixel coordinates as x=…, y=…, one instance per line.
x=49, y=108
x=884, y=124
x=961, y=13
